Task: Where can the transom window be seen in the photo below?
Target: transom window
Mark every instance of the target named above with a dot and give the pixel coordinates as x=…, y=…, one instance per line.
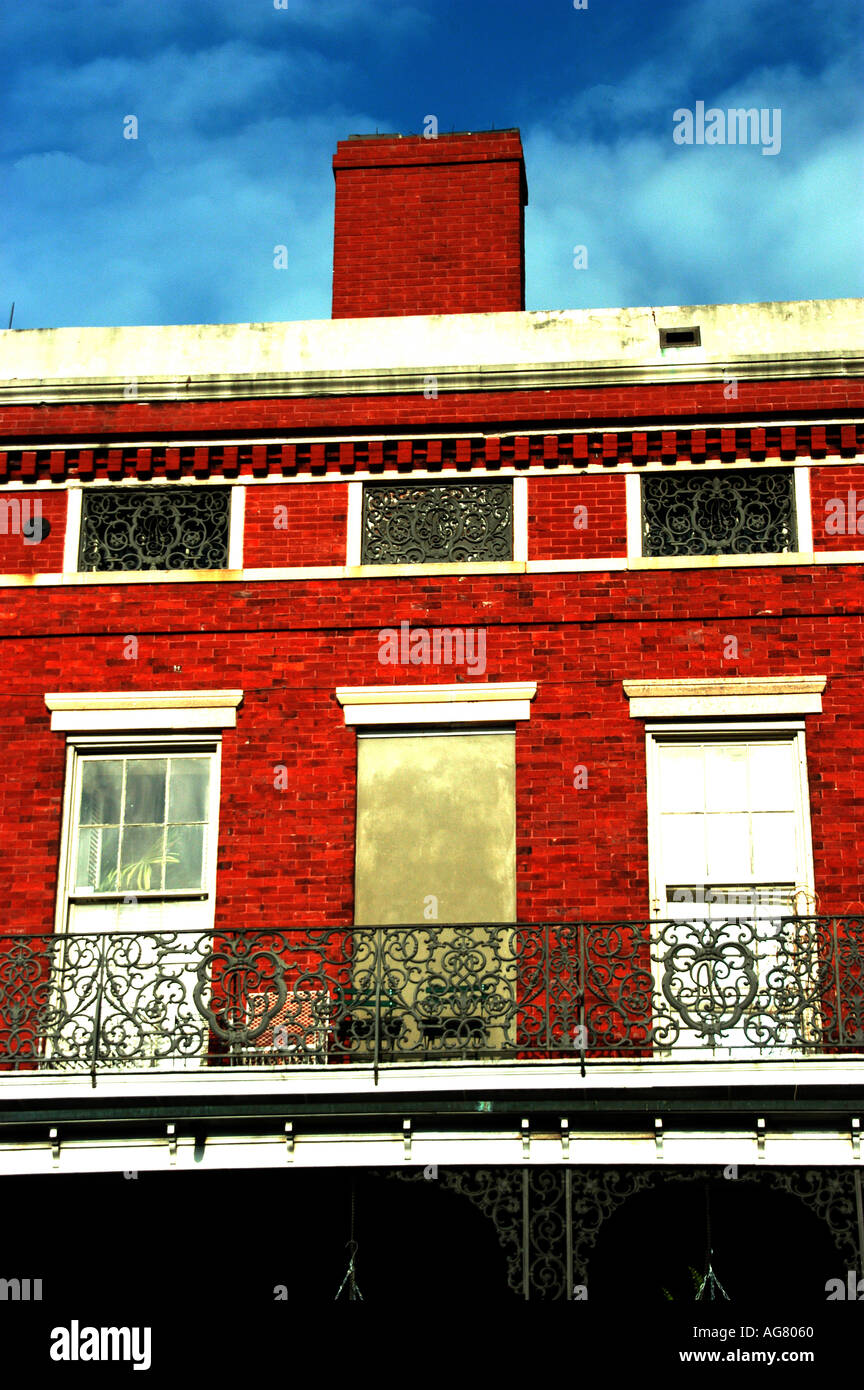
x=740, y=512
x=421, y=523
x=144, y=528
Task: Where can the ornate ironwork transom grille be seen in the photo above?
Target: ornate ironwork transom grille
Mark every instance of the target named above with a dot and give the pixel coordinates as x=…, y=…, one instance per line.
x=737, y=513
x=174, y=528
x=419, y=523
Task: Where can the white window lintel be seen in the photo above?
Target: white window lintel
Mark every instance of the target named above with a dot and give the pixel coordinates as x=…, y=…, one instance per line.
x=732, y=695
x=104, y=711
x=437, y=704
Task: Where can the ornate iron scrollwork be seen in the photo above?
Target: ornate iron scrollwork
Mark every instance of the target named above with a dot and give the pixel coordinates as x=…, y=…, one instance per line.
x=735, y=513
x=418, y=523
x=146, y=528
x=505, y=991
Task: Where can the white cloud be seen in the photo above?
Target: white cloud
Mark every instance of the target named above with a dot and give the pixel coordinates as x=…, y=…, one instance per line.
x=667, y=223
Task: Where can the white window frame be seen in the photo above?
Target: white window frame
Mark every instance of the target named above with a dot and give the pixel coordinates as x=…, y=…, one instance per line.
x=82, y=747
x=120, y=720
x=354, y=547
x=803, y=520
x=709, y=731
x=74, y=512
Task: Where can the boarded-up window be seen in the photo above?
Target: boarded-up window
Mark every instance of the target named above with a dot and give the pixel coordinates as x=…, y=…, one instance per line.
x=436, y=844
x=436, y=828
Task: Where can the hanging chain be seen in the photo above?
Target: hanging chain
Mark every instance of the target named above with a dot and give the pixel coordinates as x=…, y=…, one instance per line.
x=710, y=1279
x=350, y=1274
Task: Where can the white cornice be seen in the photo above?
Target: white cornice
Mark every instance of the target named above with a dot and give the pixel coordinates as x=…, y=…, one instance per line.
x=541, y=376
x=464, y=352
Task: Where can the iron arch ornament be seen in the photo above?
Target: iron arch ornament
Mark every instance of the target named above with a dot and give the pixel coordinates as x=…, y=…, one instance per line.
x=548, y=1219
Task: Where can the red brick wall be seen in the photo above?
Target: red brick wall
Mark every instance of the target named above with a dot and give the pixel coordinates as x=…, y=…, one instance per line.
x=18, y=555
x=558, y=531
x=486, y=409
x=300, y=524
x=288, y=855
x=429, y=226
x=829, y=486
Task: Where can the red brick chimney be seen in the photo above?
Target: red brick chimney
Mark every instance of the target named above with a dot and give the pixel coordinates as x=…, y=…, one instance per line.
x=429, y=226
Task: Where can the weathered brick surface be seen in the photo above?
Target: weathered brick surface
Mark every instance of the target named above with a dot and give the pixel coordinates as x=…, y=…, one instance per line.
x=576, y=518
x=828, y=486
x=20, y=509
x=303, y=524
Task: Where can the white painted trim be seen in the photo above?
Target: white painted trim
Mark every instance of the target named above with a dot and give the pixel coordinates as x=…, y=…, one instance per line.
x=412, y=694
x=72, y=536
x=236, y=526
x=727, y=704
x=633, y=503
x=735, y=695
x=482, y=711
x=343, y=573
x=520, y=518
x=347, y=1148
x=354, y=540
x=803, y=508
x=438, y=704
x=749, y=1074
x=788, y=338
x=734, y=685
x=104, y=712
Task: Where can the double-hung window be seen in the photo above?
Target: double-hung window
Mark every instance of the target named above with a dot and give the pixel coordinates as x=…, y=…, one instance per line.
x=137, y=901
x=731, y=867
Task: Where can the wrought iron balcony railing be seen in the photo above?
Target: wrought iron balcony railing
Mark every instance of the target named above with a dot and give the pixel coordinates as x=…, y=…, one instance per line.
x=566, y=991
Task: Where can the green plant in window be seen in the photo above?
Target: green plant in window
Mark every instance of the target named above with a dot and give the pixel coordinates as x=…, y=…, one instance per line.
x=139, y=873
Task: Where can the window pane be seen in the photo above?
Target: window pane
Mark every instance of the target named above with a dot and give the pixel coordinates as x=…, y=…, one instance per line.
x=683, y=848
x=774, y=847
x=682, y=779
x=141, y=858
x=97, y=859
x=726, y=777
x=415, y=523
x=189, y=787
x=742, y=512
x=145, y=791
x=184, y=865
x=101, y=782
x=728, y=847
x=772, y=777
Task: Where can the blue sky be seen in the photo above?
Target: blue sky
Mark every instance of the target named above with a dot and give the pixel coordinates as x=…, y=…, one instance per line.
x=240, y=105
